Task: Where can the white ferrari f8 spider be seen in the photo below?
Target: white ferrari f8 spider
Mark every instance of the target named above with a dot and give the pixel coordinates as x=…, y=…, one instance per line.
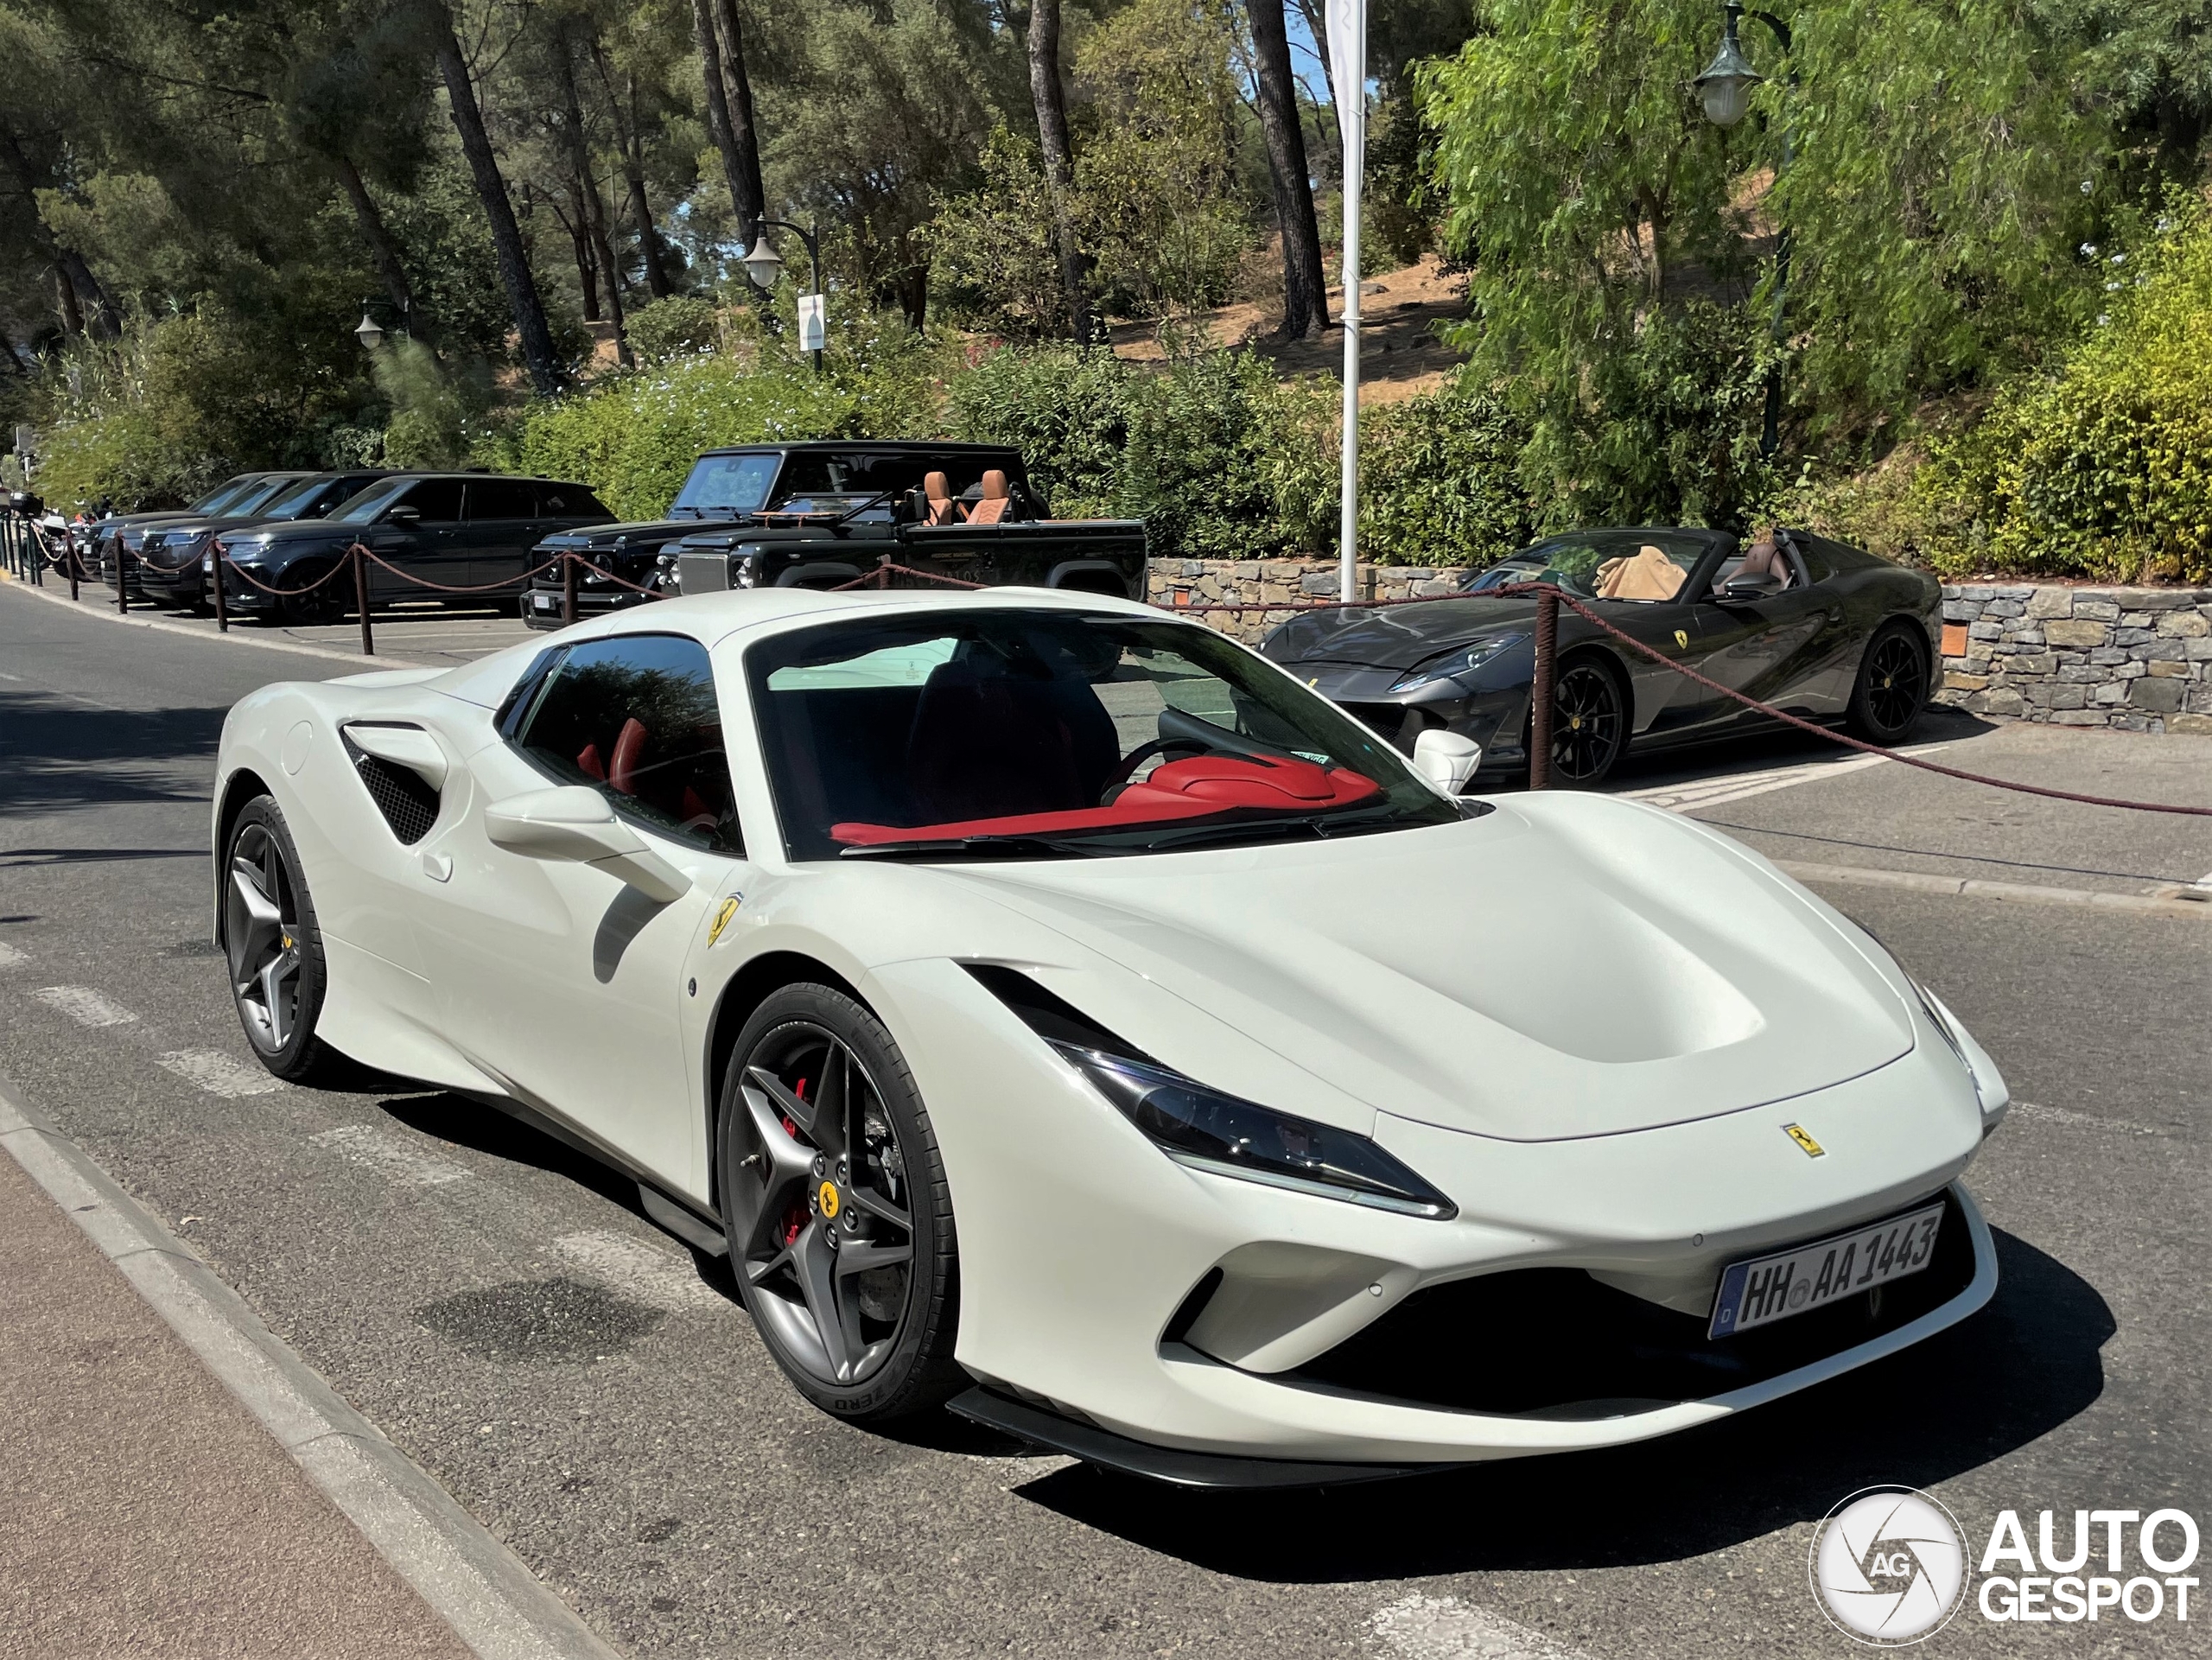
x=1054, y=1008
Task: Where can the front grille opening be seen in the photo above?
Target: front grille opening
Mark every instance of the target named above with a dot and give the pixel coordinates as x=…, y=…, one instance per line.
x=405, y=798
x=1553, y=1343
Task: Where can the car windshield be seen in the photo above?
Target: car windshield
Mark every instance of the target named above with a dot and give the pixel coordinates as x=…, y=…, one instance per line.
x=1600, y=564
x=725, y=487
x=300, y=500
x=260, y=496
x=1017, y=734
x=223, y=495
x=371, y=502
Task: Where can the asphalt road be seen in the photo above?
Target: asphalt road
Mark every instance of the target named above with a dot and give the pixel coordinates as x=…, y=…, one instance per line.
x=499, y=1308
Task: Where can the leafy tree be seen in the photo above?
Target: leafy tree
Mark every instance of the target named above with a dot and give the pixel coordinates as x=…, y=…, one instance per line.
x=1924, y=157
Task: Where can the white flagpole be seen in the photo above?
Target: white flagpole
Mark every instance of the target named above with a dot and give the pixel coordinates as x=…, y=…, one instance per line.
x=1347, y=25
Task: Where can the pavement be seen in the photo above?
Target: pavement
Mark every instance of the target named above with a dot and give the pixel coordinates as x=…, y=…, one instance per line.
x=496, y=1309
x=147, y=1512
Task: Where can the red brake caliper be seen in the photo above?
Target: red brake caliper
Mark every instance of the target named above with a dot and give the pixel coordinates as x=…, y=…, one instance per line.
x=796, y=1218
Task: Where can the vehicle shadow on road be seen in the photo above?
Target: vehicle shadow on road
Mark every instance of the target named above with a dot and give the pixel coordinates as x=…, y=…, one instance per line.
x=2013, y=1373
x=56, y=753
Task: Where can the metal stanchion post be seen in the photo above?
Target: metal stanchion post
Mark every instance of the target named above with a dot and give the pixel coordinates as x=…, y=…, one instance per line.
x=122, y=575
x=215, y=580
x=69, y=543
x=1539, y=695
x=361, y=597
x=568, y=587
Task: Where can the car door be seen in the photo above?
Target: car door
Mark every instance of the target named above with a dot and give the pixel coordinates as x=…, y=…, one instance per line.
x=1778, y=647
x=419, y=533
x=500, y=528
x=1665, y=702
x=557, y=977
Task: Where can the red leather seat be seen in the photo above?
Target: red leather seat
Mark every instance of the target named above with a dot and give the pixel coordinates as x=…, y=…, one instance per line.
x=629, y=756
x=589, y=764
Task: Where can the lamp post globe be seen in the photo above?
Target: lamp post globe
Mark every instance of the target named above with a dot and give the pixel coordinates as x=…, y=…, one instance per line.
x=764, y=265
x=368, y=333
x=1725, y=87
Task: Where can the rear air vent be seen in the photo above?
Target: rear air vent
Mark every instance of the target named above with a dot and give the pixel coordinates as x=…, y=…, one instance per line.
x=405, y=798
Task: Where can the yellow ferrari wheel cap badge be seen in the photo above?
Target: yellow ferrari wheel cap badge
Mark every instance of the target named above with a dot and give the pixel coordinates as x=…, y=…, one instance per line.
x=722, y=916
x=828, y=1196
x=1800, y=1134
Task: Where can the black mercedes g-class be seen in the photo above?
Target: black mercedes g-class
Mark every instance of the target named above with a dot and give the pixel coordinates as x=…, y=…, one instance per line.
x=823, y=513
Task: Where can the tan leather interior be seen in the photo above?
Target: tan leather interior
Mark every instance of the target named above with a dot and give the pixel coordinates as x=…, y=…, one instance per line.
x=996, y=500
x=937, y=490
x=1650, y=575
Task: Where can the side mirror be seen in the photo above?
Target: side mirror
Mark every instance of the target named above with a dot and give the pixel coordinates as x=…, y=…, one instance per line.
x=573, y=824
x=1446, y=760
x=406, y=517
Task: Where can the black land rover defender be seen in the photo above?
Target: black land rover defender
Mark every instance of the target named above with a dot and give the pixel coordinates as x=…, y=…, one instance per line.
x=821, y=514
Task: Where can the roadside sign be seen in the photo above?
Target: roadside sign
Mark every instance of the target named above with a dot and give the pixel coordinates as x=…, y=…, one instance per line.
x=813, y=323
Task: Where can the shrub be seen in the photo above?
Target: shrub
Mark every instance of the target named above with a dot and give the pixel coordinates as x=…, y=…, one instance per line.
x=1438, y=481
x=1065, y=407
x=672, y=327
x=2103, y=467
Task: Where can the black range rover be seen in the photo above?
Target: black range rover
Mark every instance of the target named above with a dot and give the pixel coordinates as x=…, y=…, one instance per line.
x=468, y=534
x=822, y=514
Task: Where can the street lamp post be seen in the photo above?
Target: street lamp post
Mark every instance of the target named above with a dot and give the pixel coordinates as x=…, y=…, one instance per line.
x=765, y=267
x=1724, y=89
x=370, y=334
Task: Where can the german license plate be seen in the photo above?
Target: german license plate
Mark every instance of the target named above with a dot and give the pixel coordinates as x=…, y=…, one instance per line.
x=1805, y=1277
x=545, y=601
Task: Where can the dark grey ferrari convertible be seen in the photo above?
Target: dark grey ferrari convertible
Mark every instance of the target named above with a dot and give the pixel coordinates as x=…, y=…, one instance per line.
x=1822, y=629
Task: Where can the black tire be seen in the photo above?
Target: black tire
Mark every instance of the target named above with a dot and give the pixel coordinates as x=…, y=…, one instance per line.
x=272, y=947
x=313, y=606
x=869, y=1344
x=1893, y=686
x=1590, y=721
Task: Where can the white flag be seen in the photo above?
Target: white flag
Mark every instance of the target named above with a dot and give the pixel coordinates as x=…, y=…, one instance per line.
x=1346, y=22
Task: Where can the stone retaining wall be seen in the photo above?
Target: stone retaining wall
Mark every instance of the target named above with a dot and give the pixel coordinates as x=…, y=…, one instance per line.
x=1262, y=584
x=2135, y=657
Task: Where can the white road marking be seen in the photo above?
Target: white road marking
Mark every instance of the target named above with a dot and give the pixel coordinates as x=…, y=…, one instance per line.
x=637, y=1269
x=2084, y=1120
x=85, y=1006
x=1444, y=1628
x=1712, y=791
x=217, y=1074
x=10, y=957
x=379, y=1150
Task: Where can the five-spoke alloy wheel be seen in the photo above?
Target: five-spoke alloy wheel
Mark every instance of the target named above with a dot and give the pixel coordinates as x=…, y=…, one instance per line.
x=835, y=1205
x=272, y=944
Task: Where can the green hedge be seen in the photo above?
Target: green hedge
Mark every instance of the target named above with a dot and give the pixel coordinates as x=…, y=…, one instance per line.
x=2102, y=468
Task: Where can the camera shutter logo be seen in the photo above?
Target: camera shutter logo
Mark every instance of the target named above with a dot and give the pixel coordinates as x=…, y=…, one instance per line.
x=1889, y=1566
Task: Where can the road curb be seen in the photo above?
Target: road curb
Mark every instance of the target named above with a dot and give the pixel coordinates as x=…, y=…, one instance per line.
x=2017, y=892
x=368, y=664
x=484, y=1591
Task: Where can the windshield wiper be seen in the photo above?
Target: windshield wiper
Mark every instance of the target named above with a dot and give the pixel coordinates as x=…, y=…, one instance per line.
x=1320, y=826
x=981, y=847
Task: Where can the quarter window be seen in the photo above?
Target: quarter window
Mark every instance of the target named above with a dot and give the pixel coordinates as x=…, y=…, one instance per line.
x=635, y=717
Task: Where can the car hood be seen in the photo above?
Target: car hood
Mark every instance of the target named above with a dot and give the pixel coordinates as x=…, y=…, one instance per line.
x=604, y=535
x=1563, y=966
x=1396, y=636
x=293, y=530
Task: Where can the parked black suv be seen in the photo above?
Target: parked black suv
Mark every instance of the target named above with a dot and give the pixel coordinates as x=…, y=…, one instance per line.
x=99, y=547
x=450, y=530
x=172, y=564
x=824, y=513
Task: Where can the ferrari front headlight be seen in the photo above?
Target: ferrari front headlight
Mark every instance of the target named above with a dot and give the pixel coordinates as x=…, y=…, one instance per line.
x=1464, y=660
x=1208, y=1130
